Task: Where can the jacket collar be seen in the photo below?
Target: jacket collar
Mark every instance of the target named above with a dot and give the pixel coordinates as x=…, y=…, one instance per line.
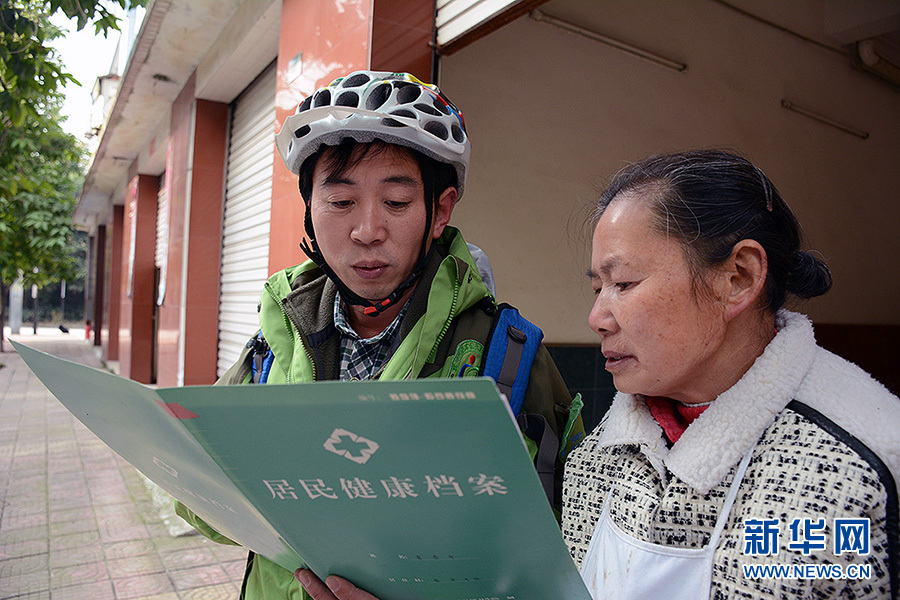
x=306, y=295
x=297, y=284
x=718, y=439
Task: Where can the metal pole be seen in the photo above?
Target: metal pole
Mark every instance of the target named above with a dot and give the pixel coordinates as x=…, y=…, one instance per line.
x=62, y=301
x=34, y=306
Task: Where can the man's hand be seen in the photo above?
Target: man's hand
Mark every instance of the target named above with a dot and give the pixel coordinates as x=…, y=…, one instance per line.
x=334, y=588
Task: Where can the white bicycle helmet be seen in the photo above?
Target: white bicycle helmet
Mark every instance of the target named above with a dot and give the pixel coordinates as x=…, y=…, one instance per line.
x=366, y=105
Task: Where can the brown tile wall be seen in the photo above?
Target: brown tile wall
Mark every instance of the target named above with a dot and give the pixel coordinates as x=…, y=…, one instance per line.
x=126, y=276
x=205, y=247
x=177, y=180
x=136, y=321
x=197, y=173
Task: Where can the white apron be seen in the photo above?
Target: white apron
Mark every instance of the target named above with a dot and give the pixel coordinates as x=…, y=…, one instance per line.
x=618, y=566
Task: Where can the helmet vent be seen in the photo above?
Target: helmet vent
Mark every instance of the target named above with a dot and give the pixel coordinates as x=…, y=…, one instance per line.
x=457, y=133
x=408, y=93
x=322, y=98
x=427, y=109
x=378, y=96
x=396, y=108
x=355, y=81
x=347, y=99
x=436, y=129
x=438, y=104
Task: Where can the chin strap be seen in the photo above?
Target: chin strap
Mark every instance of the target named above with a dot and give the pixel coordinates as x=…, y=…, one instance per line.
x=375, y=309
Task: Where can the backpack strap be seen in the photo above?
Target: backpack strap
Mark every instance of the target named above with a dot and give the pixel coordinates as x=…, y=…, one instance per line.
x=512, y=346
x=536, y=428
x=263, y=358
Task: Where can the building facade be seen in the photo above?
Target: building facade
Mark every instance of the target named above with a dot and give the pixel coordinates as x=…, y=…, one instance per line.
x=189, y=207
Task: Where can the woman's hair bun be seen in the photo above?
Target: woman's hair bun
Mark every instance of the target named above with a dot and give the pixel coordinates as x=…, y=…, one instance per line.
x=712, y=199
x=808, y=276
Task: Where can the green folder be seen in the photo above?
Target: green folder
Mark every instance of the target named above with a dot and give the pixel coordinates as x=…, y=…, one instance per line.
x=418, y=489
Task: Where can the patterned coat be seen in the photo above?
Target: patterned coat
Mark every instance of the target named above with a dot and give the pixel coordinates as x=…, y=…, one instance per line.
x=827, y=446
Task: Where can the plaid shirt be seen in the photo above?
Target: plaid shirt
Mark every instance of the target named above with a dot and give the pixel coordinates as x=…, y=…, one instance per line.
x=361, y=359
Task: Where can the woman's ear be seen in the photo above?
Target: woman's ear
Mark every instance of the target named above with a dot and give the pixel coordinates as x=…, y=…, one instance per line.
x=443, y=210
x=745, y=277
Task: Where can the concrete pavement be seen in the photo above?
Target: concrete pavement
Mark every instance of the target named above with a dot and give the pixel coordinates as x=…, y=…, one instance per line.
x=77, y=521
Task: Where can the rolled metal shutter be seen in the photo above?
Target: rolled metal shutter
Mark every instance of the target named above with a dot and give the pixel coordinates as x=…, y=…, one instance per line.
x=161, y=254
x=455, y=18
x=248, y=207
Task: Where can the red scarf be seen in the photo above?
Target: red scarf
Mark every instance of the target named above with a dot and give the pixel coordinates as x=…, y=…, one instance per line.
x=673, y=416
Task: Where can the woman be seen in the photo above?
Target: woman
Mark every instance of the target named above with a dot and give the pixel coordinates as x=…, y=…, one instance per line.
x=734, y=440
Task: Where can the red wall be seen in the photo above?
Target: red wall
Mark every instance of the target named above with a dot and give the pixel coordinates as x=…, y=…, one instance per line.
x=177, y=180
x=202, y=278
x=136, y=299
x=196, y=184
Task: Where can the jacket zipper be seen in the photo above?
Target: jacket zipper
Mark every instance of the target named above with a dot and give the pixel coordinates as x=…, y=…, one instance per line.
x=446, y=326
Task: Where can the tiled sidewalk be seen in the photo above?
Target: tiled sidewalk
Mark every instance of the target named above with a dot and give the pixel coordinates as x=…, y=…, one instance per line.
x=77, y=521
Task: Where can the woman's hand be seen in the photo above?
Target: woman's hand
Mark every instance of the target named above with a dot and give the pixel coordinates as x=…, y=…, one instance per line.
x=334, y=588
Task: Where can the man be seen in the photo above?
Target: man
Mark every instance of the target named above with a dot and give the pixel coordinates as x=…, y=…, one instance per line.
x=391, y=291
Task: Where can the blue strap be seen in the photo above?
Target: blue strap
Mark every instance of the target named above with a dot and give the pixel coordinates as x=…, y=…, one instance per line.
x=512, y=349
x=262, y=368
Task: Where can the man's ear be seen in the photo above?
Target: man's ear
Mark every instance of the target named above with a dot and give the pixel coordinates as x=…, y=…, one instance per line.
x=443, y=210
x=745, y=275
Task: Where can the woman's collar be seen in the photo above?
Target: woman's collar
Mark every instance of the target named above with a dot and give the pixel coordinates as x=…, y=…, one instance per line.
x=718, y=439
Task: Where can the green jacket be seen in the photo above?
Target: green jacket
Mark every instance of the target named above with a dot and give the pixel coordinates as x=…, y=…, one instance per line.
x=446, y=323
